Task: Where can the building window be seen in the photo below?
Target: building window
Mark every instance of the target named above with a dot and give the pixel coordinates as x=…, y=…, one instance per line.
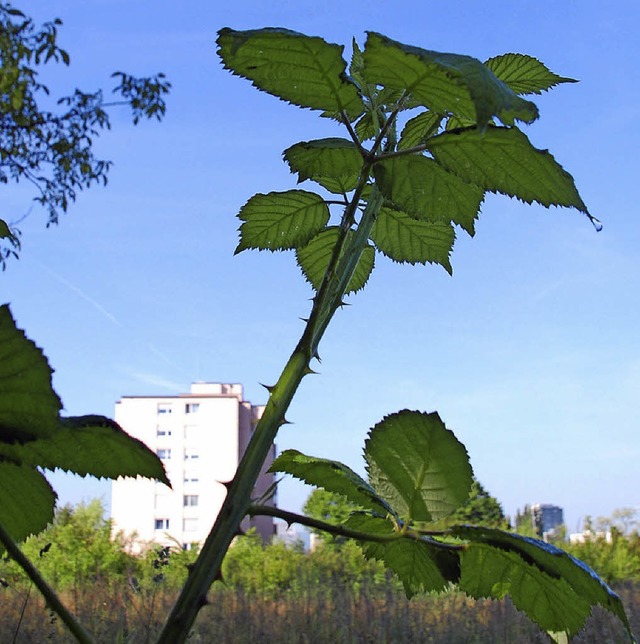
x=164, y=454
x=165, y=408
x=190, y=500
x=191, y=477
x=189, y=525
x=190, y=454
x=162, y=524
x=163, y=431
x=191, y=408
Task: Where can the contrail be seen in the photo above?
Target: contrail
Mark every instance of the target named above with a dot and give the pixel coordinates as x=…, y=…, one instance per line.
x=82, y=294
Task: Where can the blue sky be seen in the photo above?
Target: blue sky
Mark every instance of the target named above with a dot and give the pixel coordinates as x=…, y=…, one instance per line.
x=531, y=352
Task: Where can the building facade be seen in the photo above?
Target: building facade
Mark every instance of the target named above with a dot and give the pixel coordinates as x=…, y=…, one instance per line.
x=200, y=437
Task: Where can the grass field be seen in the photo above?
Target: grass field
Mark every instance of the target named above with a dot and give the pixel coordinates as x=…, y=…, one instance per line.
x=328, y=614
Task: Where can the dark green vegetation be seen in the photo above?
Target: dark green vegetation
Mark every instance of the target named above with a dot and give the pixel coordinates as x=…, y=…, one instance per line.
x=425, y=136
x=270, y=594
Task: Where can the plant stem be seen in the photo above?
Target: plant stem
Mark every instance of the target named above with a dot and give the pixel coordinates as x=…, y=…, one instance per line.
x=48, y=593
x=343, y=263
x=342, y=531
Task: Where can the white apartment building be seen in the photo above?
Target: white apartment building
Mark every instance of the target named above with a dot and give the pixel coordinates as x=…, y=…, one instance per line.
x=200, y=437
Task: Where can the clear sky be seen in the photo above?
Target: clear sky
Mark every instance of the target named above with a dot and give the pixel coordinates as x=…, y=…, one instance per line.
x=531, y=352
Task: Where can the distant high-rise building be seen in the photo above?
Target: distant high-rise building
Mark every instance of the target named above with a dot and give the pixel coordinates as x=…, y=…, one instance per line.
x=200, y=437
x=546, y=517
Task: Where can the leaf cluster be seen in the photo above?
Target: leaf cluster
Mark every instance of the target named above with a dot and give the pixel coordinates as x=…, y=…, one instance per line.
x=34, y=436
x=418, y=475
x=432, y=132
x=53, y=149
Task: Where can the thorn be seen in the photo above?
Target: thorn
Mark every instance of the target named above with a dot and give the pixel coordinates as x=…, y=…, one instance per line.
x=316, y=355
x=305, y=320
x=227, y=484
x=284, y=421
x=309, y=371
x=269, y=388
x=343, y=303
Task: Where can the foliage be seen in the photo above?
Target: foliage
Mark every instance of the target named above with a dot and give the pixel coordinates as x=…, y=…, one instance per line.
x=330, y=508
x=33, y=435
x=76, y=548
x=480, y=509
x=53, y=149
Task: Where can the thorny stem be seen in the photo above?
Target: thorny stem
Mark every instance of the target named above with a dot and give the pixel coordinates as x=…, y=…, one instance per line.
x=328, y=299
x=48, y=593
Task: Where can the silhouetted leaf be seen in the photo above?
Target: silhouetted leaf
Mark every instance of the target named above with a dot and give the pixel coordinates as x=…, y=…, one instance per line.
x=314, y=259
x=332, y=476
x=29, y=406
x=405, y=239
x=302, y=70
x=444, y=83
x=281, y=220
x=26, y=500
x=524, y=74
x=417, y=465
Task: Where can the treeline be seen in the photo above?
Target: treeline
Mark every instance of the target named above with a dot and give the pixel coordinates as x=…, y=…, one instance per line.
x=273, y=593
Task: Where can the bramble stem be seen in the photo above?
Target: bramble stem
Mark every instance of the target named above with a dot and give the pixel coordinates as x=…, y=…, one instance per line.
x=328, y=299
x=53, y=601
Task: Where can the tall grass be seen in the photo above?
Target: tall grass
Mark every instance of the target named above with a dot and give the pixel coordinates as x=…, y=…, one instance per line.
x=329, y=613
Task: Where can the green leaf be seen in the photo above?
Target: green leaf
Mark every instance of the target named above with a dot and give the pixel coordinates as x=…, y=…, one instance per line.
x=444, y=83
x=366, y=128
x=418, y=465
x=503, y=160
x=420, y=566
x=92, y=445
x=538, y=565
x=405, y=239
x=281, y=220
x=418, y=129
x=302, y=70
x=5, y=231
x=314, y=259
x=333, y=163
x=524, y=74
x=29, y=406
x=26, y=500
x=332, y=476
x=426, y=191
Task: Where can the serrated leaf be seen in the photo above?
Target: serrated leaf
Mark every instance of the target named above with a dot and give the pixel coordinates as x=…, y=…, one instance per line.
x=405, y=239
x=302, y=70
x=281, y=220
x=332, y=476
x=92, y=445
x=424, y=190
x=29, y=406
x=26, y=500
x=551, y=603
x=444, y=83
x=549, y=560
x=418, y=465
x=333, y=163
x=503, y=160
x=418, y=129
x=419, y=566
x=365, y=127
x=314, y=259
x=525, y=74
